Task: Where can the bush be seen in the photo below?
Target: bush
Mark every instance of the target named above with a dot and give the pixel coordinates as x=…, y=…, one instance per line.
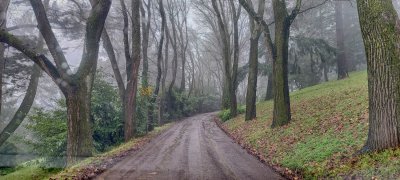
x=106, y=111
x=225, y=114
x=49, y=128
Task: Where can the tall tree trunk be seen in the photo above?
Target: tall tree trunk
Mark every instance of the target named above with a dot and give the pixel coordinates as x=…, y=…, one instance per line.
x=174, y=59
x=281, y=114
x=164, y=77
x=145, y=71
x=192, y=84
x=341, y=54
x=236, y=50
x=145, y=42
x=131, y=87
x=184, y=45
x=229, y=94
x=251, y=95
x=159, y=70
x=3, y=25
x=79, y=141
x=380, y=28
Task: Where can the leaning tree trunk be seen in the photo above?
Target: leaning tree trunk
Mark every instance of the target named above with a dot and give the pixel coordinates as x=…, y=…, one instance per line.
x=341, y=54
x=281, y=115
x=24, y=108
x=380, y=28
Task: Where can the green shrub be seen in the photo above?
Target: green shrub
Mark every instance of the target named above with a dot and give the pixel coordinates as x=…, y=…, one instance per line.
x=106, y=114
x=225, y=114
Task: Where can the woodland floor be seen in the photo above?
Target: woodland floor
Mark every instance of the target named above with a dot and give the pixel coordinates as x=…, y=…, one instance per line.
x=329, y=125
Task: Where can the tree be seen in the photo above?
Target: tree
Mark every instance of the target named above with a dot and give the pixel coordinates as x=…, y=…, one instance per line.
x=127, y=93
x=76, y=87
x=183, y=39
x=173, y=40
x=29, y=98
x=255, y=31
x=341, y=55
x=229, y=94
x=279, y=53
x=381, y=33
x=132, y=69
x=159, y=69
x=145, y=41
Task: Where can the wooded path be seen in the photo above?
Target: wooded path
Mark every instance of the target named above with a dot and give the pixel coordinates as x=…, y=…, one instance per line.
x=194, y=148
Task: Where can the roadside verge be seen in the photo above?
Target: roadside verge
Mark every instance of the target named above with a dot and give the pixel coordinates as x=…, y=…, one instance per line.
x=285, y=172
x=93, y=166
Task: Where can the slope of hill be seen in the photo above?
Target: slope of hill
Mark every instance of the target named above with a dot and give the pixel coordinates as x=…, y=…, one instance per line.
x=329, y=125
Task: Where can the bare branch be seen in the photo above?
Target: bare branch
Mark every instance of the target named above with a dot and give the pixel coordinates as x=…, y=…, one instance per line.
x=94, y=29
x=42, y=61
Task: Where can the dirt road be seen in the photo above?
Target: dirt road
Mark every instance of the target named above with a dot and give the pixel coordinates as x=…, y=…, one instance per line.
x=194, y=148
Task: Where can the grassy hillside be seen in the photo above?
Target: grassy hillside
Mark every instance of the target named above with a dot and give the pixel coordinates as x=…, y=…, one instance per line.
x=329, y=125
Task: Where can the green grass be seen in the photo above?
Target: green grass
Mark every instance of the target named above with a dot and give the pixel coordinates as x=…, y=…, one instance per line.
x=329, y=125
x=34, y=172
x=29, y=173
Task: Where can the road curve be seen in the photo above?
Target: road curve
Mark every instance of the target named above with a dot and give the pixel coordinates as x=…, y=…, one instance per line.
x=194, y=148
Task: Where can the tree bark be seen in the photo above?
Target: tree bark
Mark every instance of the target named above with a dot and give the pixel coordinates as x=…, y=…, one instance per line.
x=281, y=115
x=159, y=70
x=341, y=53
x=3, y=25
x=380, y=28
x=269, y=94
x=251, y=95
x=145, y=42
x=79, y=141
x=164, y=77
x=131, y=87
x=184, y=44
x=173, y=41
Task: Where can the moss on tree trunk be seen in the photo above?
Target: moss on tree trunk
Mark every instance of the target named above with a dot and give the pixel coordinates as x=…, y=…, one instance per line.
x=79, y=141
x=380, y=29
x=281, y=114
